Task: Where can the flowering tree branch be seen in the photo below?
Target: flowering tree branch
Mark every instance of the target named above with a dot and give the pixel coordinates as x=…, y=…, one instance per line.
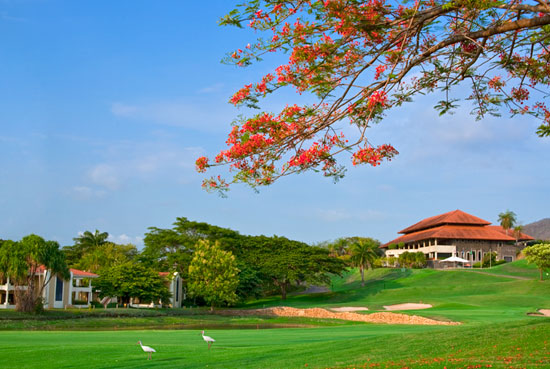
x=363, y=58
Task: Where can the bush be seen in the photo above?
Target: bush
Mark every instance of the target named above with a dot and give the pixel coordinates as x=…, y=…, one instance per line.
x=80, y=302
x=38, y=307
x=415, y=260
x=489, y=259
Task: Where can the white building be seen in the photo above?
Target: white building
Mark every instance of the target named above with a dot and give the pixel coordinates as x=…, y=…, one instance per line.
x=58, y=293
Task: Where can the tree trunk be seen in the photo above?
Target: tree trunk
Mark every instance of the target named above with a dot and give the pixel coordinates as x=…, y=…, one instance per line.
x=362, y=276
x=283, y=291
x=540, y=270
x=212, y=307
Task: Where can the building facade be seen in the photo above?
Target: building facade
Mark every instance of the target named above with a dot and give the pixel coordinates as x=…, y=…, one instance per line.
x=58, y=292
x=457, y=233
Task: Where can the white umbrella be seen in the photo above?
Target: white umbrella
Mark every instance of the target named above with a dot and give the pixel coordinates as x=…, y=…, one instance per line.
x=455, y=259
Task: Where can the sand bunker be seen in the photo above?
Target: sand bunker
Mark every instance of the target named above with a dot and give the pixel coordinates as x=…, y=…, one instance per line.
x=408, y=306
x=349, y=308
x=382, y=317
x=540, y=312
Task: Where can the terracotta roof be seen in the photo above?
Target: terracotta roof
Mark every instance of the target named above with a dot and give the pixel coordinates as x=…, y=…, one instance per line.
x=76, y=272
x=452, y=217
x=164, y=274
x=522, y=236
x=455, y=232
x=81, y=273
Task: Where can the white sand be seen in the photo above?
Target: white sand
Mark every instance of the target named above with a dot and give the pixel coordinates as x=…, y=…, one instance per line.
x=349, y=308
x=408, y=306
x=545, y=312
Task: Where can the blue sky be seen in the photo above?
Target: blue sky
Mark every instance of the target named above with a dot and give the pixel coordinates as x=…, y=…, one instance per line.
x=105, y=105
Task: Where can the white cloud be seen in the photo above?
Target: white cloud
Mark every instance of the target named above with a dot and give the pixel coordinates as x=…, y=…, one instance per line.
x=211, y=89
x=123, y=110
x=125, y=239
x=179, y=113
x=105, y=175
x=86, y=193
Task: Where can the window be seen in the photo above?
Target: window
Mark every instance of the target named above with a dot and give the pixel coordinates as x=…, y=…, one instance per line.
x=177, y=289
x=58, y=289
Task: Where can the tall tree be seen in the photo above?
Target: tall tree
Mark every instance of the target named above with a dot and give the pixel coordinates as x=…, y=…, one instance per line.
x=507, y=220
x=517, y=232
x=213, y=274
x=363, y=253
x=361, y=59
x=22, y=262
x=284, y=262
x=85, y=243
x=539, y=255
x=106, y=256
x=172, y=249
x=132, y=280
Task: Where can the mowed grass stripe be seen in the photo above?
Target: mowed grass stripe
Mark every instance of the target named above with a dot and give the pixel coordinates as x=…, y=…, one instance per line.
x=388, y=346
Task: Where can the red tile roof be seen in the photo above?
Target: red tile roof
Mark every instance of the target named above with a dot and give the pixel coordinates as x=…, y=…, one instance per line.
x=81, y=273
x=164, y=274
x=454, y=232
x=453, y=217
x=522, y=236
x=76, y=272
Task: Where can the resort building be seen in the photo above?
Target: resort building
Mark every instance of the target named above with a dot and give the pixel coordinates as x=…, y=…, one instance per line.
x=460, y=234
x=58, y=293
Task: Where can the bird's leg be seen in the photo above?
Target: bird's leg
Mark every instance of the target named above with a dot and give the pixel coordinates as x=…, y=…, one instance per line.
x=209, y=345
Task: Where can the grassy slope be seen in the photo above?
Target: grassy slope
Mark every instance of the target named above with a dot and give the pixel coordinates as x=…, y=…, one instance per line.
x=496, y=332
x=465, y=296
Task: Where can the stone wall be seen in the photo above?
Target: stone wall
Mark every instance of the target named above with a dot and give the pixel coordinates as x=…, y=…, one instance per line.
x=477, y=249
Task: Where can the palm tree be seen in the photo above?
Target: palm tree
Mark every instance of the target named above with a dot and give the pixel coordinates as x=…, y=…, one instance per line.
x=507, y=220
x=517, y=232
x=89, y=241
x=363, y=252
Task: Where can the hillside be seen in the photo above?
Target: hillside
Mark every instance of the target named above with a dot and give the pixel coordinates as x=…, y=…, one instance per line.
x=539, y=230
x=502, y=293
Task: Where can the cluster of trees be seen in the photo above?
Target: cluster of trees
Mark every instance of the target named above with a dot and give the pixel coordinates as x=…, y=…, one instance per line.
x=265, y=265
x=219, y=266
x=412, y=259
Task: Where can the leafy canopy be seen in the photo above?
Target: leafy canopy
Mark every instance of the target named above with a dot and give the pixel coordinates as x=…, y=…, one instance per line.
x=284, y=261
x=22, y=261
x=132, y=280
x=361, y=59
x=213, y=274
x=539, y=255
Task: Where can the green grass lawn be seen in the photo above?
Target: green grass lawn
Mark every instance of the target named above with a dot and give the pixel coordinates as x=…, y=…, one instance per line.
x=496, y=331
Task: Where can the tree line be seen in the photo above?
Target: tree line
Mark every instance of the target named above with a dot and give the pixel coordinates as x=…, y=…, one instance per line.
x=218, y=266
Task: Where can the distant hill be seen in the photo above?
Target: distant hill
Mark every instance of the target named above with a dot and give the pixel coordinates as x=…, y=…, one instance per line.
x=538, y=230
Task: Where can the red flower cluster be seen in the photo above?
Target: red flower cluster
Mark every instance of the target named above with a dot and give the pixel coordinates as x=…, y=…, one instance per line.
x=374, y=156
x=314, y=154
x=242, y=94
x=377, y=97
x=201, y=164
